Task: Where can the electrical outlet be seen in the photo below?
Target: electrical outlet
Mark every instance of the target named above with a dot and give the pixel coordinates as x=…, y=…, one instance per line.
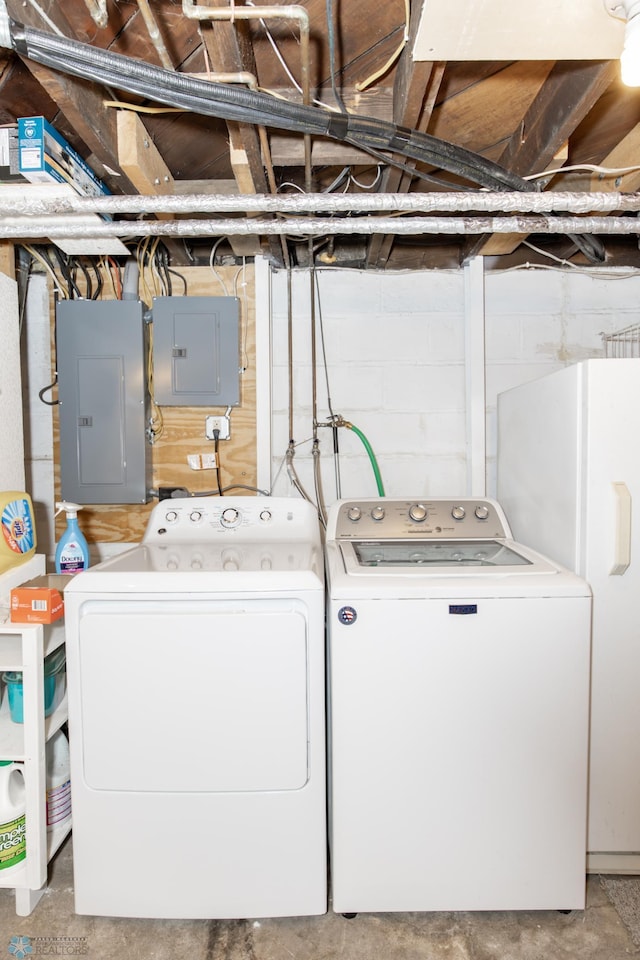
x=221, y=424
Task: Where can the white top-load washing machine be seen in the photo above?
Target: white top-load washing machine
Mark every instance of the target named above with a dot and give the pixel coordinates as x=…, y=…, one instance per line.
x=197, y=716
x=459, y=690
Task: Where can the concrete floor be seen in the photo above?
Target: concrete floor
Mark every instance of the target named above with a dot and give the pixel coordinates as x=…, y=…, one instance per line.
x=598, y=933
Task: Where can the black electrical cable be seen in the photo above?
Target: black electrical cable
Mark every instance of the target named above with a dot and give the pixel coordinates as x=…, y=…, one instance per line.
x=162, y=265
x=232, y=102
x=65, y=269
x=87, y=279
x=182, y=492
x=180, y=277
x=41, y=393
x=99, y=283
x=216, y=448
x=54, y=383
x=414, y=172
x=24, y=264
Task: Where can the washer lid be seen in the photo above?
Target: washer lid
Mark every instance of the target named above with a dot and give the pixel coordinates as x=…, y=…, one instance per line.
x=450, y=559
x=429, y=553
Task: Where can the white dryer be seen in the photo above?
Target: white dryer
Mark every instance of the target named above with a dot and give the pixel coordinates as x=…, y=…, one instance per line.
x=459, y=691
x=196, y=715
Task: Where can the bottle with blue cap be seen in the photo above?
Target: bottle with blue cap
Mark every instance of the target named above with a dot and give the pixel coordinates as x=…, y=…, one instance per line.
x=72, y=552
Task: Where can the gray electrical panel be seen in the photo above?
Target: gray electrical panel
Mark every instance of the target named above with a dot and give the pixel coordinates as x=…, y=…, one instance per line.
x=102, y=356
x=196, y=351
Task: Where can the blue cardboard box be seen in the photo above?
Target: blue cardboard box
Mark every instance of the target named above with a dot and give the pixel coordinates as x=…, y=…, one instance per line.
x=44, y=156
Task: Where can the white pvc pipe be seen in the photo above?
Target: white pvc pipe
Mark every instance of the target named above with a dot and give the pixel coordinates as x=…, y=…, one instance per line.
x=154, y=34
x=98, y=11
x=194, y=11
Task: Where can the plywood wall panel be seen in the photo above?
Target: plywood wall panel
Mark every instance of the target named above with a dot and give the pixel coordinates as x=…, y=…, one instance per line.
x=183, y=430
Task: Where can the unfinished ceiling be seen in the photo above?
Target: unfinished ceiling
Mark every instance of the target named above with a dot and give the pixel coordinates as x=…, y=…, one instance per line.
x=310, y=74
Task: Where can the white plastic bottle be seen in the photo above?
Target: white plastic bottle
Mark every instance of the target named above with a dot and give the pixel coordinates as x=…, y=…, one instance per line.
x=58, y=781
x=72, y=552
x=13, y=846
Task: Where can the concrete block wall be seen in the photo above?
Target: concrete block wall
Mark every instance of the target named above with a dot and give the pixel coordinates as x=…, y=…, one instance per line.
x=395, y=365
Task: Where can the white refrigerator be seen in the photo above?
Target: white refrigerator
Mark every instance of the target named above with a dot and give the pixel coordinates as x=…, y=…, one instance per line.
x=568, y=479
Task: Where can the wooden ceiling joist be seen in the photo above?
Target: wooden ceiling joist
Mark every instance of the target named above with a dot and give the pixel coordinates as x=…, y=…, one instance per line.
x=564, y=100
x=230, y=51
x=139, y=158
x=415, y=91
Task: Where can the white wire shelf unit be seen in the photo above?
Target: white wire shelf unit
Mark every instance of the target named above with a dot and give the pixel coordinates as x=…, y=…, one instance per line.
x=623, y=343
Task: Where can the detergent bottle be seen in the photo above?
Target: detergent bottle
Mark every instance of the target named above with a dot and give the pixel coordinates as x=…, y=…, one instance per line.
x=58, y=781
x=13, y=847
x=72, y=552
x=18, y=537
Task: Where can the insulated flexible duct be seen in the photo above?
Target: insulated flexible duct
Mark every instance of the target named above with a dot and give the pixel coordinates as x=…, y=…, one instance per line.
x=247, y=106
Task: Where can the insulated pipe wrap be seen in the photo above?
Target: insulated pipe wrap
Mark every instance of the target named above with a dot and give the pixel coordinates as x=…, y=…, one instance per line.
x=27, y=203
x=25, y=227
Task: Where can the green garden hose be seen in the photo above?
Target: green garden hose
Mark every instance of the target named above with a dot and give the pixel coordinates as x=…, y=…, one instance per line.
x=372, y=456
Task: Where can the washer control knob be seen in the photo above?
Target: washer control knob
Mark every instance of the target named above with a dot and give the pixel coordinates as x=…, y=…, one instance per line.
x=265, y=515
x=482, y=511
x=354, y=513
x=171, y=516
x=458, y=513
x=377, y=513
x=418, y=512
x=195, y=516
x=230, y=517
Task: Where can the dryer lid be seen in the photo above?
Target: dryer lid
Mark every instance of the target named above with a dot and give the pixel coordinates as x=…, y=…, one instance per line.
x=205, y=557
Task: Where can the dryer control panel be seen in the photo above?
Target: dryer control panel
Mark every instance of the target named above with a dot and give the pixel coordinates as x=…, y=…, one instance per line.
x=428, y=519
x=255, y=519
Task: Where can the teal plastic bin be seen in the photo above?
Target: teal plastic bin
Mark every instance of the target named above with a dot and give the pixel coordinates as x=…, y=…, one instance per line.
x=54, y=684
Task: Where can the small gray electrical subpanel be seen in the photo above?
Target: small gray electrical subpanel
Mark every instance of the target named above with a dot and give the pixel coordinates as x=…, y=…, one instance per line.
x=102, y=355
x=196, y=351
